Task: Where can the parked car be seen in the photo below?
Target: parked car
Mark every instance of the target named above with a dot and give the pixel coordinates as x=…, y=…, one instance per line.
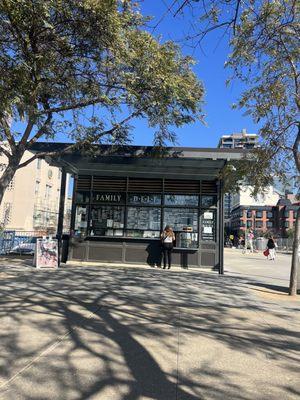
x=25, y=247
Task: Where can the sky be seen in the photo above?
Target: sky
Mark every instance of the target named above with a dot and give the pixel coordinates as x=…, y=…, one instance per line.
x=220, y=118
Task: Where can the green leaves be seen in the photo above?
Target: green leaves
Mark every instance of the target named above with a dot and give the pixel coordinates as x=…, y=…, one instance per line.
x=78, y=58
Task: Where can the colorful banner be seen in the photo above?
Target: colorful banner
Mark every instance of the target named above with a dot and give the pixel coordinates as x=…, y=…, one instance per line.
x=46, y=255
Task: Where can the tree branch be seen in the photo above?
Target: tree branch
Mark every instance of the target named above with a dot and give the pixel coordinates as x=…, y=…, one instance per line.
x=8, y=133
x=4, y=151
x=80, y=144
x=81, y=104
x=40, y=132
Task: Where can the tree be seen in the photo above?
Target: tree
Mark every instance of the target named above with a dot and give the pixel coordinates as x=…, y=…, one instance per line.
x=84, y=69
x=264, y=36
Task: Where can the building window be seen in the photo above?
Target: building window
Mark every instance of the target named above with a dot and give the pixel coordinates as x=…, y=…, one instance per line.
x=143, y=222
x=269, y=224
x=39, y=163
x=258, y=224
x=186, y=200
x=286, y=214
x=37, y=187
x=181, y=219
x=107, y=220
x=208, y=201
x=249, y=224
x=80, y=220
x=258, y=214
x=295, y=214
x=48, y=192
x=249, y=214
x=269, y=214
x=286, y=224
x=7, y=213
x=11, y=185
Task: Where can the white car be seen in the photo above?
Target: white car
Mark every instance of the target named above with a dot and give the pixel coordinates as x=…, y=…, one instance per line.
x=25, y=247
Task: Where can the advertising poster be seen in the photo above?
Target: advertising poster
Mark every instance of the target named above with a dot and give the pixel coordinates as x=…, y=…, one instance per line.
x=46, y=253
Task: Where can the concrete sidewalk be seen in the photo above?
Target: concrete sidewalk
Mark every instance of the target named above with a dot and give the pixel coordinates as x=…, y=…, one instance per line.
x=136, y=333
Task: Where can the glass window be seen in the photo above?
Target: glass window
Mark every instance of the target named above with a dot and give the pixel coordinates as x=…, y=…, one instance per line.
x=37, y=187
x=181, y=219
x=144, y=199
x=249, y=224
x=286, y=214
x=269, y=224
x=144, y=218
x=270, y=214
x=258, y=214
x=208, y=201
x=82, y=197
x=135, y=233
x=258, y=224
x=295, y=214
x=286, y=224
x=186, y=240
x=181, y=200
x=48, y=192
x=39, y=163
x=80, y=220
x=107, y=221
x=249, y=214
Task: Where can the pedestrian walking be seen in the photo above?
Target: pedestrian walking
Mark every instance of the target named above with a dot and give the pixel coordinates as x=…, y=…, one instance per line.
x=167, y=239
x=271, y=246
x=250, y=238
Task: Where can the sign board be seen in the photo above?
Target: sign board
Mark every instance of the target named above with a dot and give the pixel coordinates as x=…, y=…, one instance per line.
x=117, y=198
x=46, y=253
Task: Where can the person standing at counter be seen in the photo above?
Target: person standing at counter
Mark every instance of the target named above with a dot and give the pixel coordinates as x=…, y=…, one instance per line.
x=167, y=239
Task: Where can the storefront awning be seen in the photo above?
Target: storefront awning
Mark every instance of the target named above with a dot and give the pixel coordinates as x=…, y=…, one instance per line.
x=140, y=161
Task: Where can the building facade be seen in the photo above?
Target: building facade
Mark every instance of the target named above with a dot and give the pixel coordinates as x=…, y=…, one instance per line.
x=278, y=219
x=242, y=140
x=31, y=201
x=123, y=198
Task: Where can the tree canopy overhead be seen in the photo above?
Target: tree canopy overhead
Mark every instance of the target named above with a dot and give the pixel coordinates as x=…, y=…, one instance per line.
x=85, y=69
x=264, y=36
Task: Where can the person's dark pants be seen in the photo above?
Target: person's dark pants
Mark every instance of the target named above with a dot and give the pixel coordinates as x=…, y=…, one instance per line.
x=167, y=250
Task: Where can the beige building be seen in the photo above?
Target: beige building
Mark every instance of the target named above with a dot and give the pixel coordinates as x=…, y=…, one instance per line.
x=31, y=200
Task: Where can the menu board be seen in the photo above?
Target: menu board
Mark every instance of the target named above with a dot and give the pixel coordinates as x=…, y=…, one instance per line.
x=146, y=218
x=181, y=219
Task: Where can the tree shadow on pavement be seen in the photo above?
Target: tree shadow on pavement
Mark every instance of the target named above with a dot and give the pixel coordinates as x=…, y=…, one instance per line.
x=122, y=334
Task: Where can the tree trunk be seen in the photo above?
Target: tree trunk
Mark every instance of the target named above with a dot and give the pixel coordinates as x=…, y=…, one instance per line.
x=295, y=257
x=7, y=176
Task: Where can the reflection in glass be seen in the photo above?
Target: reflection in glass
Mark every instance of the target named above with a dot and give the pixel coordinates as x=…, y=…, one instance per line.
x=186, y=240
x=208, y=201
x=144, y=199
x=142, y=234
x=181, y=219
x=181, y=200
x=146, y=218
x=107, y=221
x=82, y=197
x=80, y=221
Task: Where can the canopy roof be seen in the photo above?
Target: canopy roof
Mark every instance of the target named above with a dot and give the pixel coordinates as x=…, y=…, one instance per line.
x=140, y=161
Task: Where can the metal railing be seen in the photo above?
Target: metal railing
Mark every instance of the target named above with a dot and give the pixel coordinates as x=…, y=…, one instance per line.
x=18, y=242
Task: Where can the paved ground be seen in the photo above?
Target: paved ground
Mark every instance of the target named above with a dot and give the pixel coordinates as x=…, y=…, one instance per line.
x=126, y=333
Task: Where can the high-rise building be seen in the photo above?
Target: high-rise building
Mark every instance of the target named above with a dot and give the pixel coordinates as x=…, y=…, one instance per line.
x=242, y=140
